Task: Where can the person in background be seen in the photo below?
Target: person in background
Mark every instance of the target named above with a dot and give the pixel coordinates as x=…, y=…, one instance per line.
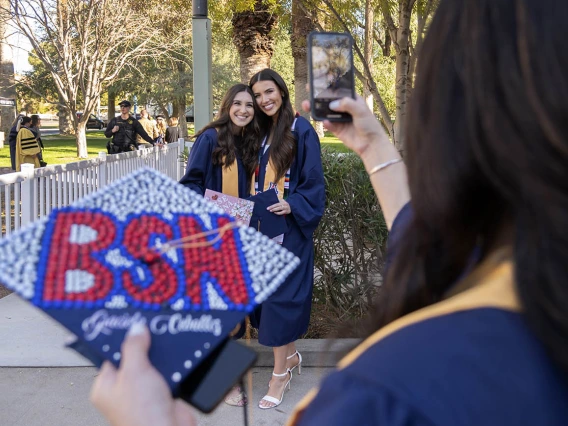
x=123, y=130
x=487, y=156
x=162, y=127
x=149, y=127
x=12, y=139
x=290, y=162
x=35, y=128
x=172, y=132
x=28, y=149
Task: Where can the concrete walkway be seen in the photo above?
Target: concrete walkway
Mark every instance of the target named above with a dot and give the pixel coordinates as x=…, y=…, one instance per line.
x=42, y=383
x=60, y=397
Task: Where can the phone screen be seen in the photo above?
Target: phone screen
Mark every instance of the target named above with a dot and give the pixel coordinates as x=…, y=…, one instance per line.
x=330, y=64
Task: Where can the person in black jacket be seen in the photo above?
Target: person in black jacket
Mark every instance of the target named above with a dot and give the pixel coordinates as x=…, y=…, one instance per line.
x=123, y=131
x=12, y=140
x=172, y=132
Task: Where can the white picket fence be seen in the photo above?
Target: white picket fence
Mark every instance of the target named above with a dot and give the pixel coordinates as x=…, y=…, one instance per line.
x=30, y=194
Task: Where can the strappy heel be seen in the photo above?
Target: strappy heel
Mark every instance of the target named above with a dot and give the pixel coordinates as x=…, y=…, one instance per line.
x=299, y=364
x=273, y=400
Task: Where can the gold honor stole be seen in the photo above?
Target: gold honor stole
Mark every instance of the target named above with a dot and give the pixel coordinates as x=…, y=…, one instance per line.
x=270, y=178
x=490, y=285
x=283, y=185
x=230, y=180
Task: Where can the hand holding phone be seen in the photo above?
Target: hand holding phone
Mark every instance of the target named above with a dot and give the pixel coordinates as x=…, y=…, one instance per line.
x=330, y=67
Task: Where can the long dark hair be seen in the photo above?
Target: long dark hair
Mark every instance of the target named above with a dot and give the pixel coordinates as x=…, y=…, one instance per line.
x=225, y=154
x=283, y=145
x=488, y=150
x=35, y=120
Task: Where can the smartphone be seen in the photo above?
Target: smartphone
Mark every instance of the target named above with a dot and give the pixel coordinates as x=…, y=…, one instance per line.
x=206, y=387
x=330, y=67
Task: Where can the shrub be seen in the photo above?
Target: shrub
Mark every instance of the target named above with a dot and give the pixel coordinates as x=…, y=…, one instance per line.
x=349, y=245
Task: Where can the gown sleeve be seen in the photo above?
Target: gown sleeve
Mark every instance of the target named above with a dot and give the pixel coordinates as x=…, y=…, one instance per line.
x=347, y=400
x=198, y=164
x=307, y=201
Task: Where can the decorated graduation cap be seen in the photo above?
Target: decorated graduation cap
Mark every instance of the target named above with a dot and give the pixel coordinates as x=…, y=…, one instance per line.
x=146, y=249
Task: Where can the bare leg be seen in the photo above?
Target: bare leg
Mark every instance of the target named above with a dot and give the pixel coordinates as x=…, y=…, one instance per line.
x=291, y=361
x=277, y=384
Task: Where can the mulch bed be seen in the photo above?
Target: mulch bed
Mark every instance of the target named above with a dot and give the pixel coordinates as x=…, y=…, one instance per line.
x=4, y=291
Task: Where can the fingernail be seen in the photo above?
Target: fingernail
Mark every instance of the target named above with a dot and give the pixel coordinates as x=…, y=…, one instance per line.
x=334, y=104
x=136, y=329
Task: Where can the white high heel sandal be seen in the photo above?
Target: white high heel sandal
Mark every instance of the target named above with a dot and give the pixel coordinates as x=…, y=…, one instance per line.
x=273, y=400
x=299, y=364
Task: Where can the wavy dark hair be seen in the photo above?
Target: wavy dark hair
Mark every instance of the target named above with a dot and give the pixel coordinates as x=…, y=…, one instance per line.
x=283, y=145
x=247, y=148
x=487, y=151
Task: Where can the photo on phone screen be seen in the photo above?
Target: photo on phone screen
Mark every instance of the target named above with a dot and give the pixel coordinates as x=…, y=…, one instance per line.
x=330, y=65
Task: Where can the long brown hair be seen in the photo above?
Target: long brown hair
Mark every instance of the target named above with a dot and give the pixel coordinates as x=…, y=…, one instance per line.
x=488, y=149
x=227, y=149
x=283, y=145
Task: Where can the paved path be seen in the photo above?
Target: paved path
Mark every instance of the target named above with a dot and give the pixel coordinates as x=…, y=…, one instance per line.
x=44, y=384
x=59, y=397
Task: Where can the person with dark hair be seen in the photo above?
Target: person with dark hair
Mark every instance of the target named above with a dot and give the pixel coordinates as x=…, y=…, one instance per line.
x=224, y=155
x=487, y=157
x=28, y=149
x=123, y=130
x=223, y=159
x=35, y=127
x=12, y=139
x=290, y=161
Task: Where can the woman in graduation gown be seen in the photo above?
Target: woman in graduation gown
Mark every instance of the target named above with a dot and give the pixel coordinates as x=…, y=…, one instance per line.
x=223, y=159
x=225, y=152
x=290, y=161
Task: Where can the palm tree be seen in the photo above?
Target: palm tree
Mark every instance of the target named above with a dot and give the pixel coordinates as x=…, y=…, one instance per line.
x=302, y=24
x=252, y=36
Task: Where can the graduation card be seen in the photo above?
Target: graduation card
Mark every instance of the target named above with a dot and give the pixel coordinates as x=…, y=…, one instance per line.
x=239, y=208
x=145, y=249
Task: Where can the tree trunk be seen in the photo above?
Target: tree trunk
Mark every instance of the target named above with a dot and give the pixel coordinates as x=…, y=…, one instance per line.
x=181, y=117
x=368, y=51
x=253, y=39
x=81, y=139
x=302, y=24
x=65, y=121
x=7, y=79
x=111, y=105
x=402, y=66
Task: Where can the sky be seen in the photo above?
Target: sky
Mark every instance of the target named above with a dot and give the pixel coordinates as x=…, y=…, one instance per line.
x=20, y=49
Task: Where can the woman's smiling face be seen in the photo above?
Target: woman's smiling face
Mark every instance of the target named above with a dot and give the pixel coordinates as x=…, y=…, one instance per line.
x=241, y=111
x=268, y=97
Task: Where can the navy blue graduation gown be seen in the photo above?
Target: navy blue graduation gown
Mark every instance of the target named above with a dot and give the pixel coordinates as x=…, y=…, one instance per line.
x=202, y=174
x=468, y=360
x=285, y=316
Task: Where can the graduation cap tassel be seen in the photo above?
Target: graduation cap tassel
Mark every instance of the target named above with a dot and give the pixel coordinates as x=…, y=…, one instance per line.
x=183, y=242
